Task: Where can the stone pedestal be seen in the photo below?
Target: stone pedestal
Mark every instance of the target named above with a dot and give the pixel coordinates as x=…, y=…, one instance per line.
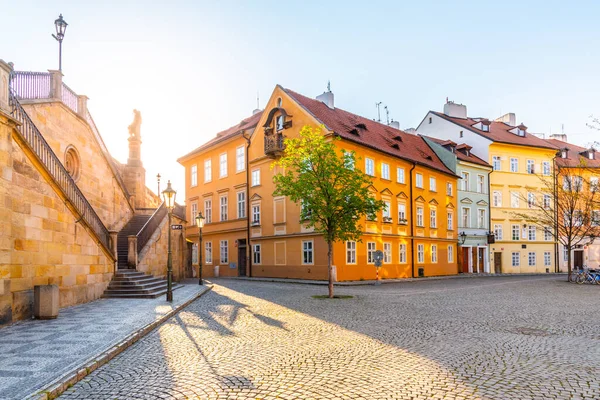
x=45, y=301
x=216, y=271
x=132, y=255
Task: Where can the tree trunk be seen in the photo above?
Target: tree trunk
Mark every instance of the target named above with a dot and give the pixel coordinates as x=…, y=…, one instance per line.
x=569, y=267
x=330, y=268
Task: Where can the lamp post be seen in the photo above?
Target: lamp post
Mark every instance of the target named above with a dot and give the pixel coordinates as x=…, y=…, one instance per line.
x=463, y=237
x=61, y=26
x=158, y=181
x=169, y=199
x=200, y=224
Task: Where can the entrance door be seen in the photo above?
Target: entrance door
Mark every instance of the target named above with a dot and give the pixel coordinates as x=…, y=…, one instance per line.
x=481, y=260
x=465, y=259
x=497, y=263
x=578, y=258
x=241, y=257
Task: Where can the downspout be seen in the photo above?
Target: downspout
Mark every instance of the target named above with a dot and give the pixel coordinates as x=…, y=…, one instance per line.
x=412, y=220
x=248, y=247
x=489, y=218
x=555, y=195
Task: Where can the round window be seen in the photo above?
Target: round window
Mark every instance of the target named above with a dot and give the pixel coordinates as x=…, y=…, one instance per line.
x=72, y=164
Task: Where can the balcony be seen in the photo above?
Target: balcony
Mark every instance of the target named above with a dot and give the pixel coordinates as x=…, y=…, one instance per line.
x=274, y=145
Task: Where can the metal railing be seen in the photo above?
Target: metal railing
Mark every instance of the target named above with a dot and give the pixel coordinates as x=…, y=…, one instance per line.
x=30, y=85
x=42, y=150
x=69, y=98
x=150, y=227
x=274, y=144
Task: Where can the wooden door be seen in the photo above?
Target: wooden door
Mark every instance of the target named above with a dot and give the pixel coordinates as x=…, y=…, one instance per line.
x=497, y=263
x=577, y=259
x=242, y=257
x=465, y=259
x=481, y=259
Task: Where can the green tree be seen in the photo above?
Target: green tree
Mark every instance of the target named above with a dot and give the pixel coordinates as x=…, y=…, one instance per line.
x=333, y=194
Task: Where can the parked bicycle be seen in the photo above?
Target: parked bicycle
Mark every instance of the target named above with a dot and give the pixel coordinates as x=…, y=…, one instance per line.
x=591, y=276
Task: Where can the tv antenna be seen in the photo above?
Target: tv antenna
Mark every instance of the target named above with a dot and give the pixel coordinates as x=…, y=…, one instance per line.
x=387, y=115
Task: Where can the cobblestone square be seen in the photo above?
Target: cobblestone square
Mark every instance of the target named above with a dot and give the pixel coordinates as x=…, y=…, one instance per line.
x=474, y=338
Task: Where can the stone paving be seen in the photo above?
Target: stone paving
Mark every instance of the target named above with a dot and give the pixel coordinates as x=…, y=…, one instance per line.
x=479, y=338
x=35, y=353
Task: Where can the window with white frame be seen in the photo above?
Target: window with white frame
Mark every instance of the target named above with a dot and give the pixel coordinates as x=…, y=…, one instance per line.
x=432, y=184
x=370, y=252
x=547, y=233
x=207, y=170
x=387, y=253
x=531, y=258
x=307, y=252
x=480, y=184
x=481, y=220
x=450, y=253
x=402, y=254
x=434, y=253
x=350, y=252
x=194, y=175
x=223, y=208
x=530, y=200
x=223, y=165
x=369, y=166
x=514, y=199
x=498, y=231
x=464, y=183
x=531, y=232
x=385, y=171
x=530, y=167
x=194, y=210
x=496, y=163
x=565, y=254
x=466, y=217
x=208, y=211
x=241, y=204
x=240, y=159
x=256, y=256
x=419, y=181
x=547, y=259
x=208, y=252
x=195, y=253
x=349, y=160
x=420, y=216
x=516, y=259
x=449, y=188
x=516, y=232
x=420, y=253
x=497, y=198
x=255, y=177
x=514, y=164
x=594, y=184
x=256, y=214
x=432, y=218
x=595, y=217
x=400, y=175
x=386, y=212
x=450, y=220
x=546, y=201
x=546, y=168
x=224, y=252
x=401, y=213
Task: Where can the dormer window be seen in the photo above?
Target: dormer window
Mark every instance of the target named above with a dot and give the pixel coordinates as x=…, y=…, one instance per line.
x=520, y=132
x=591, y=155
x=280, y=122
x=563, y=154
x=485, y=128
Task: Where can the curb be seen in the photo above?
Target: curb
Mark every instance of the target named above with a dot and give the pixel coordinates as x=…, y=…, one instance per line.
x=59, y=386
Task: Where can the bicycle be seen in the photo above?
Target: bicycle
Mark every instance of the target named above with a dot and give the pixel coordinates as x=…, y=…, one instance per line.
x=588, y=276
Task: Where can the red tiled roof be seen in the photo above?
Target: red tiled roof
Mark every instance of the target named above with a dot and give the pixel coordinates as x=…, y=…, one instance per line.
x=372, y=134
x=246, y=123
x=574, y=158
x=499, y=132
x=472, y=158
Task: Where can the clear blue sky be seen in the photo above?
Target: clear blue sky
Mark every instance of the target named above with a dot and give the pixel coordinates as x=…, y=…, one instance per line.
x=194, y=67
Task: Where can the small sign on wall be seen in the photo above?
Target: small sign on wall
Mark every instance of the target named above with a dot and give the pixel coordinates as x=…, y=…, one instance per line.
x=177, y=227
x=232, y=265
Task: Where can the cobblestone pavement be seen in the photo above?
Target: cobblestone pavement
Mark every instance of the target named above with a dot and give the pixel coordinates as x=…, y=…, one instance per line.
x=479, y=338
x=34, y=353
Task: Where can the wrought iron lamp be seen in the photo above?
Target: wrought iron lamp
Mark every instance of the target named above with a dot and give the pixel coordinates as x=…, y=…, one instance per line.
x=200, y=224
x=463, y=237
x=61, y=26
x=169, y=199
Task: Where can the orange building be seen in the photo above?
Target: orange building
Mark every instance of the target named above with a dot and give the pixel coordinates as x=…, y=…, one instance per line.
x=417, y=231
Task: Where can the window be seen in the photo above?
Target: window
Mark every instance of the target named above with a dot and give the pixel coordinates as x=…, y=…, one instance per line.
x=194, y=209
x=594, y=183
x=572, y=183
x=595, y=218
x=531, y=232
x=400, y=175
x=516, y=232
x=546, y=168
x=402, y=255
x=385, y=171
x=432, y=184
x=256, y=259
x=429, y=119
x=420, y=253
x=420, y=216
x=223, y=214
x=498, y=231
x=207, y=170
x=350, y=252
x=241, y=205
x=208, y=252
x=348, y=160
x=514, y=199
x=386, y=211
x=194, y=175
x=307, y=252
x=223, y=165
x=547, y=233
x=547, y=259
x=565, y=254
x=280, y=122
x=516, y=259
x=434, y=253
x=401, y=213
x=485, y=128
x=370, y=252
x=530, y=167
x=496, y=163
x=464, y=183
x=531, y=259
x=369, y=167
x=460, y=134
x=240, y=159
x=497, y=198
x=387, y=253
x=480, y=184
x=207, y=211
x=195, y=253
x=546, y=201
x=450, y=221
x=466, y=217
x=433, y=218
x=224, y=252
x=255, y=177
x=419, y=181
x=530, y=200
x=450, y=253
x=449, y=189
x=256, y=214
x=514, y=165
x=481, y=218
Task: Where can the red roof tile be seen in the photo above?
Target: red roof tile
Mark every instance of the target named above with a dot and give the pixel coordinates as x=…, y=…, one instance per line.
x=372, y=134
x=574, y=157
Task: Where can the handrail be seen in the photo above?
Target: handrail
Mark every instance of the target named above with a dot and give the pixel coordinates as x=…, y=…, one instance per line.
x=30, y=85
x=42, y=150
x=69, y=98
x=144, y=235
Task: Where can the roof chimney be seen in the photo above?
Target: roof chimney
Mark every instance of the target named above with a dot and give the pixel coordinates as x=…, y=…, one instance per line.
x=455, y=110
x=509, y=118
x=559, y=136
x=256, y=111
x=327, y=98
x=395, y=124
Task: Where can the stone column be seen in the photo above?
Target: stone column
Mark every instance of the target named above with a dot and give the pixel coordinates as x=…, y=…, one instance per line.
x=132, y=251
x=55, y=84
x=113, y=246
x=5, y=70
x=82, y=106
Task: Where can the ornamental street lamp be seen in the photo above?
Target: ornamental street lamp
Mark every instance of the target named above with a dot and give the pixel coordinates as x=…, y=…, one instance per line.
x=61, y=27
x=463, y=237
x=200, y=224
x=158, y=181
x=169, y=199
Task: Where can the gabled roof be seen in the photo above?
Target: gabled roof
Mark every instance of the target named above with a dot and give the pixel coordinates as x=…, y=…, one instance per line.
x=472, y=158
x=574, y=157
x=246, y=123
x=371, y=134
x=499, y=132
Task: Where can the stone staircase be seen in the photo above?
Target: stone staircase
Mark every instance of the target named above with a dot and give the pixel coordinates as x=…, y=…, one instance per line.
x=134, y=225
x=131, y=284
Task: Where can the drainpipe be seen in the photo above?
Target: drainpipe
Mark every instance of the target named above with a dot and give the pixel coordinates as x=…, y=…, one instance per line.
x=248, y=247
x=555, y=195
x=412, y=220
x=489, y=218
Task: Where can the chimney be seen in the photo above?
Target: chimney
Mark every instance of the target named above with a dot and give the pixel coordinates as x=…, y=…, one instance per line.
x=395, y=124
x=256, y=111
x=510, y=119
x=327, y=98
x=455, y=110
x=559, y=136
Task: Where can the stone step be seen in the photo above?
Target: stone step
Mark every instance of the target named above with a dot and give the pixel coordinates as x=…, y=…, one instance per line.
x=139, y=295
x=136, y=285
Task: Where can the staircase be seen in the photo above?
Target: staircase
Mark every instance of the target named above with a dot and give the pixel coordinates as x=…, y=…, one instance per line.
x=134, y=225
x=130, y=284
